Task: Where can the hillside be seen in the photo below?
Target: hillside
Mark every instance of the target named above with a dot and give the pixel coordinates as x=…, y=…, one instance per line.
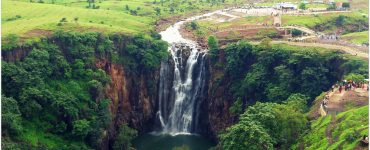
x=38, y=18
x=342, y=131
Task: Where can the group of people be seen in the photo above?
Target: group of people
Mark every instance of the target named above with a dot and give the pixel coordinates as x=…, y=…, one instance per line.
x=346, y=86
x=349, y=85
x=329, y=37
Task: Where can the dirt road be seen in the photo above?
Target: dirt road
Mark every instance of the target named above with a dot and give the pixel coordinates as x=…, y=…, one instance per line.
x=346, y=49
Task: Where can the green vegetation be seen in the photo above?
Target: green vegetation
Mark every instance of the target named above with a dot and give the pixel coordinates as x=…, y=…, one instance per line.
x=348, y=22
x=124, y=138
x=212, y=43
x=355, y=77
x=269, y=33
x=296, y=32
x=347, y=130
x=127, y=16
x=50, y=15
x=287, y=79
x=260, y=73
x=267, y=125
x=357, y=37
x=302, y=6
x=55, y=96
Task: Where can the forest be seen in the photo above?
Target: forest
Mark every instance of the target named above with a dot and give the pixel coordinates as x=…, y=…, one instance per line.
x=57, y=92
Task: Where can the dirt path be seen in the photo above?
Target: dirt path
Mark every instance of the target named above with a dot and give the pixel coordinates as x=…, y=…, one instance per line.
x=340, y=101
x=346, y=49
x=304, y=29
x=329, y=129
x=352, y=98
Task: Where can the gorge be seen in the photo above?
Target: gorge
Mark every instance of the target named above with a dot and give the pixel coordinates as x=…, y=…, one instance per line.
x=97, y=87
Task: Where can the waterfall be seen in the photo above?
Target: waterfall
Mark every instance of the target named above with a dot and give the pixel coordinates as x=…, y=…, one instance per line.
x=178, y=104
x=182, y=81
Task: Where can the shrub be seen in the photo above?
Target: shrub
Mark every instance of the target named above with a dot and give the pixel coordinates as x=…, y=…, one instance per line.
x=296, y=32
x=345, y=5
x=63, y=20
x=194, y=25
x=352, y=136
x=124, y=137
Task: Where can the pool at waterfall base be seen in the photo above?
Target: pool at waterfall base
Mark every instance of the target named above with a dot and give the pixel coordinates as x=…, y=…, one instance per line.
x=169, y=142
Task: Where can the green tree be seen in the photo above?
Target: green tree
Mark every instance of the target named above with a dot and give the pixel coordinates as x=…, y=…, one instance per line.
x=355, y=77
x=237, y=107
x=212, y=43
x=298, y=102
x=339, y=21
x=81, y=128
x=345, y=5
x=276, y=94
x=246, y=135
x=10, y=117
x=302, y=6
x=355, y=66
x=266, y=43
x=10, y=41
x=265, y=125
x=124, y=138
x=157, y=11
x=194, y=25
x=296, y=32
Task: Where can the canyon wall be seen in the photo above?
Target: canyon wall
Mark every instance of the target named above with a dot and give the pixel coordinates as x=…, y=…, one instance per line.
x=134, y=95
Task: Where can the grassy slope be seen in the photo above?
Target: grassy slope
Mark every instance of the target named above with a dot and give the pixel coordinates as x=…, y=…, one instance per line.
x=345, y=123
x=110, y=17
x=46, y=16
x=312, y=20
x=357, y=37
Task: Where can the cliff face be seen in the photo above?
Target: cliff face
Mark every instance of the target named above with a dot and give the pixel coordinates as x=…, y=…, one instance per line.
x=134, y=96
x=133, y=102
x=15, y=54
x=215, y=108
x=135, y=105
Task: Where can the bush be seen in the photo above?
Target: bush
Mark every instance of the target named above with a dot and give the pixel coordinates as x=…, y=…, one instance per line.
x=296, y=32
x=133, y=12
x=355, y=77
x=352, y=136
x=63, y=20
x=10, y=41
x=345, y=5
x=302, y=6
x=265, y=33
x=339, y=21
x=10, y=116
x=81, y=128
x=237, y=107
x=194, y=25
x=212, y=43
x=124, y=138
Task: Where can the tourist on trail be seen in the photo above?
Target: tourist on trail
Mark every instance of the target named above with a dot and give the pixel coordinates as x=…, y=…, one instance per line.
x=340, y=89
x=332, y=88
x=363, y=86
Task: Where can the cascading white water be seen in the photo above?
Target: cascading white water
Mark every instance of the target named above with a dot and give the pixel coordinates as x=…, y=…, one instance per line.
x=180, y=90
x=177, y=105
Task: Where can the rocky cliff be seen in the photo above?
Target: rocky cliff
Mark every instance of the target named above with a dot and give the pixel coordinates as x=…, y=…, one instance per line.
x=133, y=102
x=134, y=95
